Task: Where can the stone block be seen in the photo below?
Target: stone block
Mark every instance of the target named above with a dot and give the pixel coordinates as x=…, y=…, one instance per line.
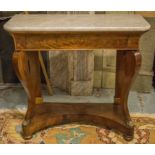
x=147, y=62
x=81, y=70
x=108, y=79
x=98, y=60
x=58, y=68
x=143, y=83
x=109, y=59
x=97, y=79
x=81, y=88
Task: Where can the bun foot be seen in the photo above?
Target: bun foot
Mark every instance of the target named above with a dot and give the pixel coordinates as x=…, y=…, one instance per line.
x=128, y=137
x=25, y=134
x=27, y=137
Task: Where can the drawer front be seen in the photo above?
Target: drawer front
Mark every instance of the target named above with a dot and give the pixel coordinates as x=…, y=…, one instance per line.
x=71, y=41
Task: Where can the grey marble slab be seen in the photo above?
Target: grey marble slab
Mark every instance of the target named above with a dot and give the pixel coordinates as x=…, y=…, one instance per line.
x=96, y=22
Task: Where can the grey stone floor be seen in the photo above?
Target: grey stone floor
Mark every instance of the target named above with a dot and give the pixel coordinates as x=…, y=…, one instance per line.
x=13, y=96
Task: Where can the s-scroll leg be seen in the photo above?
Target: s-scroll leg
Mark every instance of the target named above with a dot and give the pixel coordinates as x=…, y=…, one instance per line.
x=127, y=66
x=27, y=68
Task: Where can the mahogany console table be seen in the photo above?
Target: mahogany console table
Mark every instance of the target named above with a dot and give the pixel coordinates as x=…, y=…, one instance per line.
x=34, y=33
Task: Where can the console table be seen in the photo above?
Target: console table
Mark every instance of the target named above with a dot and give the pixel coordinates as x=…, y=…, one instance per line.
x=33, y=33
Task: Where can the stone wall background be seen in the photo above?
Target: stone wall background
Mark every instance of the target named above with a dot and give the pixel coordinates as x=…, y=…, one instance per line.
x=78, y=73
x=104, y=65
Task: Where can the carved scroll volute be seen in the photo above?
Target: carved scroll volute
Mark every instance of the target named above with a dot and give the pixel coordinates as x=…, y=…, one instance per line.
x=127, y=67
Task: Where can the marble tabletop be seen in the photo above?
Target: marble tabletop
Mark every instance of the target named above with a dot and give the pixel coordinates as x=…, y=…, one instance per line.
x=97, y=22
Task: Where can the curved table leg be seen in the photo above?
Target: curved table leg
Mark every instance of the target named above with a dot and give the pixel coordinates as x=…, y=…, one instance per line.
x=40, y=116
x=127, y=67
x=27, y=68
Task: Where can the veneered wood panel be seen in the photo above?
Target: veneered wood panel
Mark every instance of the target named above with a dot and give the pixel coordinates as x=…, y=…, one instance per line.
x=70, y=41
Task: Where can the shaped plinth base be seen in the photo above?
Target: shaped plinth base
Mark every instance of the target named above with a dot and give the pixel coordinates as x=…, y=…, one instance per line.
x=52, y=114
